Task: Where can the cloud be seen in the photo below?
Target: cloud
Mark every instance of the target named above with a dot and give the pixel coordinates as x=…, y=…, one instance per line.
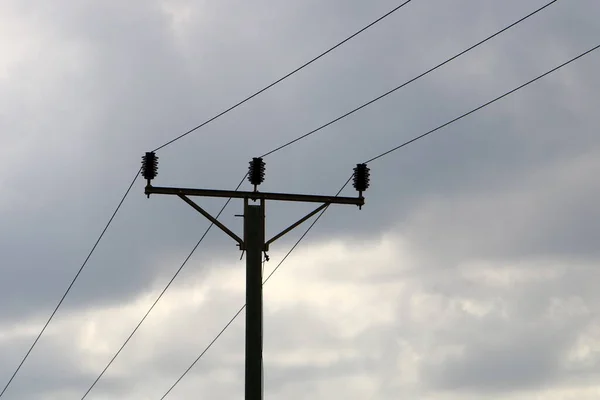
x=476, y=244
x=328, y=321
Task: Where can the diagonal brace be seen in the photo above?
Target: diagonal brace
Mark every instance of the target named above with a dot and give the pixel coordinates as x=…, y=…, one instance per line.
x=294, y=225
x=213, y=220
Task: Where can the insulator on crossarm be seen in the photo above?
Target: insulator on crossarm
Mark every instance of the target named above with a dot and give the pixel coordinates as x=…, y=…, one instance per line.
x=256, y=171
x=361, y=178
x=149, y=166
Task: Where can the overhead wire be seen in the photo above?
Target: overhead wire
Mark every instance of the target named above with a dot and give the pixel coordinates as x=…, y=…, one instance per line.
x=364, y=105
x=69, y=287
x=408, y=81
x=286, y=76
x=483, y=105
x=381, y=155
x=183, y=264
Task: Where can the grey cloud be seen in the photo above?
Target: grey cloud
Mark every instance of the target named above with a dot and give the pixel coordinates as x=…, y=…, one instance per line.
x=523, y=362
x=520, y=343
x=136, y=84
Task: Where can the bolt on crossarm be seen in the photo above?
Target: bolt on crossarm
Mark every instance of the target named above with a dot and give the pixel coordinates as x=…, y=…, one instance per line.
x=254, y=243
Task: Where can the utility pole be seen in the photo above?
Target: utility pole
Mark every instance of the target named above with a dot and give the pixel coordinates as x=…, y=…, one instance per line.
x=254, y=244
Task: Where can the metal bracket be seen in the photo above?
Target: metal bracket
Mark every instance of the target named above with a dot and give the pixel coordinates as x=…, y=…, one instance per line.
x=213, y=220
x=295, y=224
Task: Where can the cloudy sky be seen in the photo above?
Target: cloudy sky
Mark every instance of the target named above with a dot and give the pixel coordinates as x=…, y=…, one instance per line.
x=471, y=273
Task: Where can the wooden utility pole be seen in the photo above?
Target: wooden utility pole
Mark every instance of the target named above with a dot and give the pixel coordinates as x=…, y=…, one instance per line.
x=254, y=244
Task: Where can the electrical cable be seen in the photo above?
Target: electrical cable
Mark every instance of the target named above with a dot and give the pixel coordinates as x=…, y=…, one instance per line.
x=349, y=179
x=159, y=297
x=409, y=81
x=69, y=287
x=285, y=76
x=483, y=105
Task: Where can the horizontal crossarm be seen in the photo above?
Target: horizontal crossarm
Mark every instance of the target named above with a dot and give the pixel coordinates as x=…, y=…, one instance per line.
x=358, y=201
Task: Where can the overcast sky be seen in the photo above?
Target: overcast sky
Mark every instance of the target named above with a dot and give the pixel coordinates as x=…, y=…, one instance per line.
x=472, y=272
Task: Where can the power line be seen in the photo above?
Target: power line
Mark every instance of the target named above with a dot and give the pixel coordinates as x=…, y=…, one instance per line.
x=69, y=287
x=409, y=81
x=483, y=105
x=205, y=350
x=285, y=76
x=170, y=142
x=348, y=181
